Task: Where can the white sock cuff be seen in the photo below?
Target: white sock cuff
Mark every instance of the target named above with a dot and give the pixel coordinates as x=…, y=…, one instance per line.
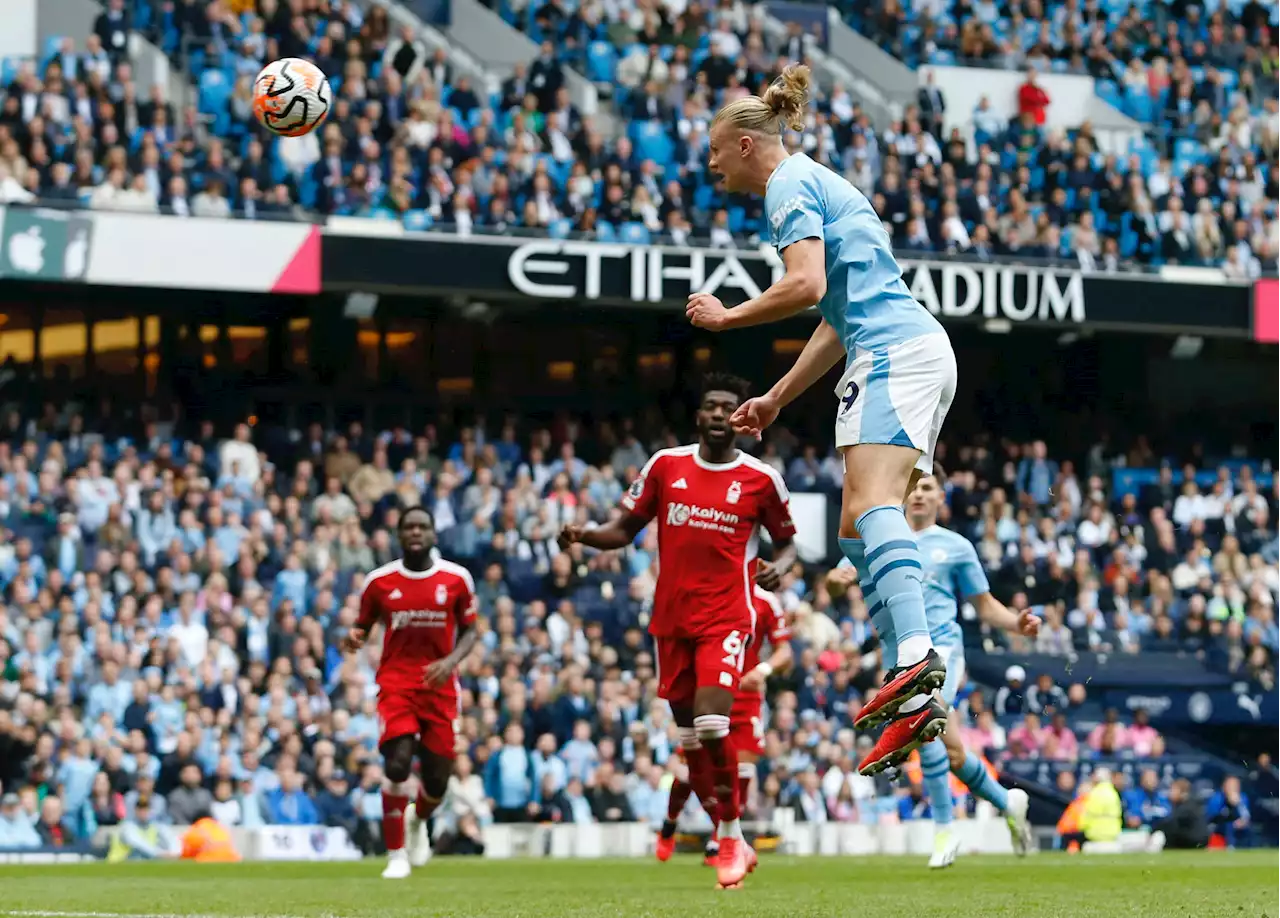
x=913, y=649
x=915, y=704
x=711, y=726
x=689, y=738
x=396, y=788
x=746, y=770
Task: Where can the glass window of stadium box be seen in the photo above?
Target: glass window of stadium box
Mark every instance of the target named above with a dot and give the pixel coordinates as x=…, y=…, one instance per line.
x=17, y=335
x=64, y=345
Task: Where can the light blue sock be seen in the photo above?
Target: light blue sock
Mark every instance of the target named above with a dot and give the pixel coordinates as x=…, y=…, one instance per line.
x=937, y=780
x=893, y=562
x=976, y=777
x=856, y=551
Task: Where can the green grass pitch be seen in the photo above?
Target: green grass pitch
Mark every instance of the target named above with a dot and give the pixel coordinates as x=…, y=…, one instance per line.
x=1196, y=885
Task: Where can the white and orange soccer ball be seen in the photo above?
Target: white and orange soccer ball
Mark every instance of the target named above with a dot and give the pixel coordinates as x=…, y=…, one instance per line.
x=291, y=97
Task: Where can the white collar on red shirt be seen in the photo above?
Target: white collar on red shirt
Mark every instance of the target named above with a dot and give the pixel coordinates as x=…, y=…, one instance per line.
x=717, y=466
x=417, y=575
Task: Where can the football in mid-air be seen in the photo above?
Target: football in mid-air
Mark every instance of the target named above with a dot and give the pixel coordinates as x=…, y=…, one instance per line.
x=291, y=97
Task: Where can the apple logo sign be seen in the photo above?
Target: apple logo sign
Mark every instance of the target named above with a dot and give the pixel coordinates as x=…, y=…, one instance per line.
x=26, y=251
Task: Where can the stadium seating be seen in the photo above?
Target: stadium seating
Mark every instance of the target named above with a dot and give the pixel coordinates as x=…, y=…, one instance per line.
x=1136, y=222
x=535, y=608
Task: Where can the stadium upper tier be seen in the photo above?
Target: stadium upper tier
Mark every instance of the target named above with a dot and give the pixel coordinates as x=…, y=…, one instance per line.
x=408, y=141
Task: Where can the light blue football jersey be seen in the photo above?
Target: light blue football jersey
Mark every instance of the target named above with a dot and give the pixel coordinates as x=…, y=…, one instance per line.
x=952, y=574
x=867, y=302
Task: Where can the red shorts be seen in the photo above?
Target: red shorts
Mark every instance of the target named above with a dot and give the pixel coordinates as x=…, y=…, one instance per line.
x=712, y=660
x=430, y=716
x=746, y=725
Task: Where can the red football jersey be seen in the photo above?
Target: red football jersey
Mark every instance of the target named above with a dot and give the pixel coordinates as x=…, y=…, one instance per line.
x=421, y=613
x=771, y=627
x=708, y=533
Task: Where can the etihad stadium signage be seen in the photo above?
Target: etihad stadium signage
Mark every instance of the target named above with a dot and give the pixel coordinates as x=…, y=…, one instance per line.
x=379, y=256
x=522, y=269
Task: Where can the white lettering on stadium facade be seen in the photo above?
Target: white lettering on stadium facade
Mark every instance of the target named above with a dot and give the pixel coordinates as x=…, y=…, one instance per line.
x=419, y=618
x=701, y=517
x=1016, y=294
x=649, y=271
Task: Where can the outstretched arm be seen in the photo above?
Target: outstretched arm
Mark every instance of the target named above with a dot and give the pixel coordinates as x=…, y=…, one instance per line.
x=615, y=534
x=997, y=614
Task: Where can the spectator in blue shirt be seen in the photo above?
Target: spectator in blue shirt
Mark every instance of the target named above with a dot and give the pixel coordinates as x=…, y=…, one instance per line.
x=109, y=696
x=580, y=754
x=805, y=470
x=569, y=708
x=334, y=806
x=570, y=464
x=145, y=788
x=75, y=774
x=1037, y=474
x=491, y=588
x=1145, y=804
x=65, y=553
x=648, y=796
x=510, y=778
x=252, y=815
x=156, y=527
x=289, y=805
x=1228, y=813
x=547, y=764
x=913, y=804
x=16, y=830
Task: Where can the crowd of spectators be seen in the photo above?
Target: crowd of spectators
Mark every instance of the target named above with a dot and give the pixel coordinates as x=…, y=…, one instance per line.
x=409, y=140
x=1202, y=78
x=173, y=602
x=1146, y=45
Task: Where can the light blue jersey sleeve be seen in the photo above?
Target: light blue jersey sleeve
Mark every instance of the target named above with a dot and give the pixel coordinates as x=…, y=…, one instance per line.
x=952, y=574
x=971, y=579
x=795, y=209
x=866, y=302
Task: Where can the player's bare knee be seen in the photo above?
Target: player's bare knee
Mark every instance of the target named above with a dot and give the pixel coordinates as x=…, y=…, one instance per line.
x=875, y=475
x=955, y=749
x=682, y=714
x=398, y=755
x=436, y=770
x=712, y=700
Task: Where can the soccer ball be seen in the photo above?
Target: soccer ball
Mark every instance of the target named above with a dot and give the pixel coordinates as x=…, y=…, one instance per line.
x=291, y=97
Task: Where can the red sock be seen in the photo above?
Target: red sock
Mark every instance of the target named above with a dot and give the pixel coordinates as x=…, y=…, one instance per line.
x=744, y=788
x=724, y=769
x=700, y=775
x=712, y=806
x=679, y=796
x=425, y=805
x=393, y=806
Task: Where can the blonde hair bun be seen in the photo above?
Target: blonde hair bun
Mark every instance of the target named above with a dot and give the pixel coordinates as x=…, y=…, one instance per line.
x=788, y=96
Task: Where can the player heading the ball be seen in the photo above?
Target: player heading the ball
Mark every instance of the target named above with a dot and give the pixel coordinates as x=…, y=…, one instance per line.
x=898, y=382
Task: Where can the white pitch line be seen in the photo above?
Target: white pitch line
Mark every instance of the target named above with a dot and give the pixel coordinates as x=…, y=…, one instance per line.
x=88, y=914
